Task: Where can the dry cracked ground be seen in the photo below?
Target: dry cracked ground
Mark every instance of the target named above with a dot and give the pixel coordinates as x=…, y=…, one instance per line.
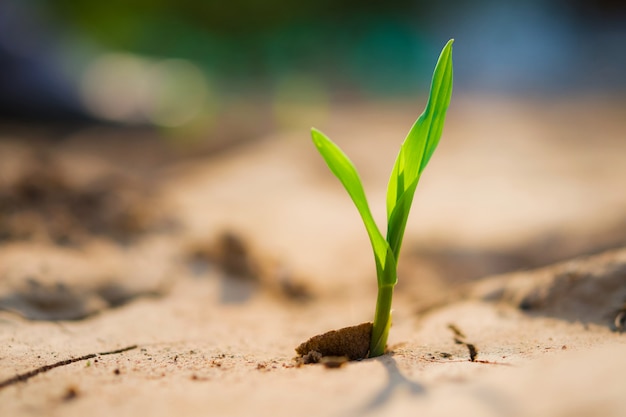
x=136, y=282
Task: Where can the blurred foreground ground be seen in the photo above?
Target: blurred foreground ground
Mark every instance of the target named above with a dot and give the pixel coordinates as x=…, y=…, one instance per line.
x=216, y=265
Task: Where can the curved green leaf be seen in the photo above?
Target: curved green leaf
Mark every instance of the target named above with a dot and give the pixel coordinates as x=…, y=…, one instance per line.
x=344, y=170
x=417, y=150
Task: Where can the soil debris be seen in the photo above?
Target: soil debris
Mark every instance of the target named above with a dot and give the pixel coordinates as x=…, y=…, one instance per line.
x=245, y=269
x=46, y=202
x=587, y=289
x=334, y=362
x=232, y=255
x=43, y=282
x=620, y=320
x=71, y=393
x=351, y=342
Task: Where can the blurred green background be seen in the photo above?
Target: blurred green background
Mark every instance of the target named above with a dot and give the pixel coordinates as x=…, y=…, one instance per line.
x=179, y=62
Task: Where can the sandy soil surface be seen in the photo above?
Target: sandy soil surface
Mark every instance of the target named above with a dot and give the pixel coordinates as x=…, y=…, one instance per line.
x=136, y=283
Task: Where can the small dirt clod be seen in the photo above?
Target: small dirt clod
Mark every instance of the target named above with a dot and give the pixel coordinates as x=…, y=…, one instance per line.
x=351, y=342
x=71, y=393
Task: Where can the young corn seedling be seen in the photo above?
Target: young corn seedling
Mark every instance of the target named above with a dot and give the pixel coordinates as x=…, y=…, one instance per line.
x=416, y=151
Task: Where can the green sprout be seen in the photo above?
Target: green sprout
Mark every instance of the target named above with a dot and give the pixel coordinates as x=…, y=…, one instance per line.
x=415, y=153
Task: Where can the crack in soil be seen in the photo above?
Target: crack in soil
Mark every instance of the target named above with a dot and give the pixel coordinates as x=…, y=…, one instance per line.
x=459, y=339
x=460, y=361
x=28, y=375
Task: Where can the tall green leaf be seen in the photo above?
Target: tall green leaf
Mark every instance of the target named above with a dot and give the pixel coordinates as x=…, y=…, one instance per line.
x=417, y=150
x=344, y=170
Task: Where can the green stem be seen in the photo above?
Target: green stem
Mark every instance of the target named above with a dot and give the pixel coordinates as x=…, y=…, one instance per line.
x=382, y=321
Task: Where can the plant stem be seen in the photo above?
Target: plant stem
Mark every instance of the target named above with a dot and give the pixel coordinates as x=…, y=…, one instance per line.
x=382, y=321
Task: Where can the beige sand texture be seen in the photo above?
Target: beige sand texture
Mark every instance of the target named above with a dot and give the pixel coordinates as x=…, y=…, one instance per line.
x=187, y=293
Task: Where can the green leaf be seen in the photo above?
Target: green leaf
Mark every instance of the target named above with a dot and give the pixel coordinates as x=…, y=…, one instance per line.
x=344, y=170
x=417, y=150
